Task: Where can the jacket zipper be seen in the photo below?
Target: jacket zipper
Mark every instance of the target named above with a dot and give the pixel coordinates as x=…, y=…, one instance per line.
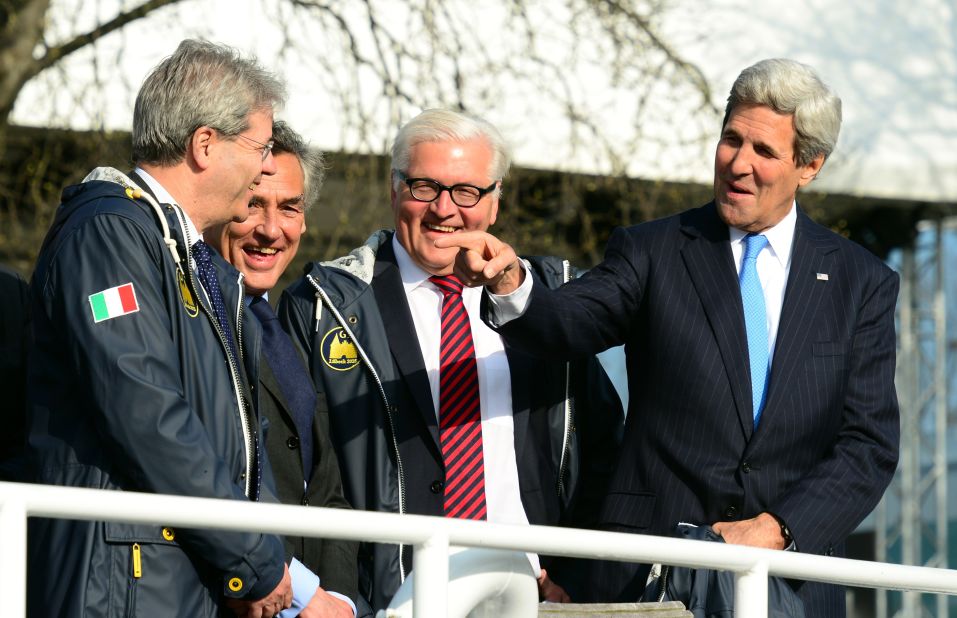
x=663, y=582
x=248, y=435
x=569, y=412
x=322, y=297
x=137, y=574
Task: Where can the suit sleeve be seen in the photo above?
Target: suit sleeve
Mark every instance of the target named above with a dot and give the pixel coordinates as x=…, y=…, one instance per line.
x=131, y=375
x=584, y=316
x=828, y=503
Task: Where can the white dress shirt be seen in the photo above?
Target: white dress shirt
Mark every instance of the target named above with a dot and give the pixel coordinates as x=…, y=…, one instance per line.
x=163, y=197
x=502, y=496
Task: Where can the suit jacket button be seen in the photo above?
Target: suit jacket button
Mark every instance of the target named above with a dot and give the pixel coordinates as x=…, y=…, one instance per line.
x=746, y=467
x=731, y=512
x=437, y=486
x=292, y=442
x=304, y=501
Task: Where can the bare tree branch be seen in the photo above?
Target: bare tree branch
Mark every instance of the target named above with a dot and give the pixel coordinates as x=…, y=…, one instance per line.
x=56, y=53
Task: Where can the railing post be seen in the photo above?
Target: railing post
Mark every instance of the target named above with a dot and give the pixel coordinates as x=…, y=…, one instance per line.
x=13, y=558
x=751, y=592
x=430, y=573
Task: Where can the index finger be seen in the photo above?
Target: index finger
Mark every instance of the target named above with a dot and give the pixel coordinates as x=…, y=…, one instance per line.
x=463, y=240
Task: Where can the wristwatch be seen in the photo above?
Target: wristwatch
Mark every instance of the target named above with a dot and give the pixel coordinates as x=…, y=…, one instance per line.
x=785, y=532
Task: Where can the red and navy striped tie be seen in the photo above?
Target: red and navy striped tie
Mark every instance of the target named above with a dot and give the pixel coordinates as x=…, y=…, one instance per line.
x=460, y=415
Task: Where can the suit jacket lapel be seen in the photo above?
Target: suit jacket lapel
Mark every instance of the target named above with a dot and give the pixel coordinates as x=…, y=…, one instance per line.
x=400, y=330
x=267, y=379
x=707, y=256
x=268, y=382
x=811, y=253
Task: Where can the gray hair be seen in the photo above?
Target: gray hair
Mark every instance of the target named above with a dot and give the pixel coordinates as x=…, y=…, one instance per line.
x=790, y=87
x=445, y=125
x=311, y=161
x=201, y=84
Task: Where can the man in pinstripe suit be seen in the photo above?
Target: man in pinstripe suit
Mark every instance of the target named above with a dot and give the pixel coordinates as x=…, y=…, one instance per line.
x=783, y=437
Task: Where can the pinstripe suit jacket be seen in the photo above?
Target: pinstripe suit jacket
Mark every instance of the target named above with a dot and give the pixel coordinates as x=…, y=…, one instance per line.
x=827, y=444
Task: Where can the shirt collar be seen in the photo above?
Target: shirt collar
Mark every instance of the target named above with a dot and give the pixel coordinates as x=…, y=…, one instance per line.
x=163, y=196
x=780, y=236
x=412, y=274
x=248, y=299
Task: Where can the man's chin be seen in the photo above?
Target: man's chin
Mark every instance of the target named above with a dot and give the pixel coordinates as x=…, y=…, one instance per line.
x=732, y=214
x=257, y=286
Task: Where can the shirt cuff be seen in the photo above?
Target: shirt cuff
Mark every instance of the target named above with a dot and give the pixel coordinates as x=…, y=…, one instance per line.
x=344, y=598
x=506, y=307
x=304, y=584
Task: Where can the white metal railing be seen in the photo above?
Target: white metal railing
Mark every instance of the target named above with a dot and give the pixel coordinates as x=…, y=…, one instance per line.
x=431, y=537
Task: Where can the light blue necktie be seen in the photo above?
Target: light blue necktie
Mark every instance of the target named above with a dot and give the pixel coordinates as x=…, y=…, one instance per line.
x=755, y=321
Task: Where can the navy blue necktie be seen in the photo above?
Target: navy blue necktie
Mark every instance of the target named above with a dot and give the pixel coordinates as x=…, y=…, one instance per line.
x=755, y=322
x=294, y=381
x=207, y=277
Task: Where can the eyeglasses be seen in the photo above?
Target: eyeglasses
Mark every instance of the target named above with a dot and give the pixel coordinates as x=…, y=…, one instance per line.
x=428, y=190
x=267, y=147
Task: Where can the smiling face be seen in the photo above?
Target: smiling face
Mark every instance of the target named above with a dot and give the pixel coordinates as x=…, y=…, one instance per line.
x=418, y=224
x=263, y=245
x=756, y=175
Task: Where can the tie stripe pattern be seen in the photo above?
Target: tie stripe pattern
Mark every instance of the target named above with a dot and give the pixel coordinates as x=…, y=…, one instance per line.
x=755, y=322
x=460, y=416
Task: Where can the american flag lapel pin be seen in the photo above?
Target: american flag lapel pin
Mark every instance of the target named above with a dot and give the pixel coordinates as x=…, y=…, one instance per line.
x=822, y=276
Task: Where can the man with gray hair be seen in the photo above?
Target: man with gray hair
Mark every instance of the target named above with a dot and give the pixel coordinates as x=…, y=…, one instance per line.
x=431, y=414
x=297, y=442
x=760, y=346
x=136, y=382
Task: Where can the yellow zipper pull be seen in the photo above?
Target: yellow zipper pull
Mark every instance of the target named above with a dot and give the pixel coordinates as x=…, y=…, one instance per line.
x=137, y=561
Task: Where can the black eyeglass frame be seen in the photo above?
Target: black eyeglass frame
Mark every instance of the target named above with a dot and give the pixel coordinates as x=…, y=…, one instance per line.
x=440, y=188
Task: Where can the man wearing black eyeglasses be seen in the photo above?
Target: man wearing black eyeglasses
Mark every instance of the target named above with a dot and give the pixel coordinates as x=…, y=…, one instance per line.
x=430, y=413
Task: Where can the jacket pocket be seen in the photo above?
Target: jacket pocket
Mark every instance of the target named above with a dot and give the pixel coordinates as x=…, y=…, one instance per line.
x=152, y=575
x=628, y=511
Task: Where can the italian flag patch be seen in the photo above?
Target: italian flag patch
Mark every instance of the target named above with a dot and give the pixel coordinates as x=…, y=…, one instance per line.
x=114, y=302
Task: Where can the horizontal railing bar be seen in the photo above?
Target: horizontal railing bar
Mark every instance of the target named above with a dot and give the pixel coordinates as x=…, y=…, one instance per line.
x=180, y=511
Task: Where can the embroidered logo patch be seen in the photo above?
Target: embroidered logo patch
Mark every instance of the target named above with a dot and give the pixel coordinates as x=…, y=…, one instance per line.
x=338, y=350
x=114, y=302
x=189, y=303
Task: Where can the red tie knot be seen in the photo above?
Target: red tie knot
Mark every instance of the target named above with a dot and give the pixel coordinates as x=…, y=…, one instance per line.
x=449, y=284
